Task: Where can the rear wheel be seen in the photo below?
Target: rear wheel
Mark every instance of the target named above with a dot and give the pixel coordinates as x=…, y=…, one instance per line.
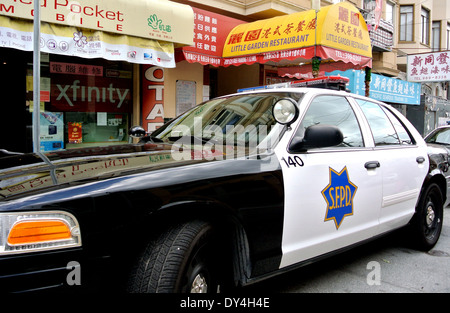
x=181, y=260
x=426, y=225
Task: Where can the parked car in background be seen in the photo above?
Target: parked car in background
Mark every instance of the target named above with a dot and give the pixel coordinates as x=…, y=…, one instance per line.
x=439, y=136
x=238, y=189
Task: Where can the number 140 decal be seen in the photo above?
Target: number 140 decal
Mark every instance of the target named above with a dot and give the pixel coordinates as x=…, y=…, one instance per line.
x=293, y=161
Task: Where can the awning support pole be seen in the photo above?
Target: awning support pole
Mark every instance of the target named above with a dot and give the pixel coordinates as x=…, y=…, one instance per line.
x=315, y=59
x=367, y=79
x=37, y=89
x=36, y=76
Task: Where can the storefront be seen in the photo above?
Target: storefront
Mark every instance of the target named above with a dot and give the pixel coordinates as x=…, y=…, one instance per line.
x=90, y=64
x=229, y=54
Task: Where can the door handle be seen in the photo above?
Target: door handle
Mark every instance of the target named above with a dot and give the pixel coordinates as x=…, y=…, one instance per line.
x=420, y=159
x=372, y=164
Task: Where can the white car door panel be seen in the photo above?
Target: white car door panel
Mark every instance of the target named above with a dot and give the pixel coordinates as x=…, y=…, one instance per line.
x=404, y=165
x=330, y=202
x=332, y=195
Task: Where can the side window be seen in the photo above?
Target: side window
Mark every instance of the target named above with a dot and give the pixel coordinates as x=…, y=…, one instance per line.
x=402, y=133
x=333, y=110
x=386, y=128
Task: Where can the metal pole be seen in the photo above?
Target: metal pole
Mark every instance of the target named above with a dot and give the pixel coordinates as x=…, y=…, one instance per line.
x=36, y=76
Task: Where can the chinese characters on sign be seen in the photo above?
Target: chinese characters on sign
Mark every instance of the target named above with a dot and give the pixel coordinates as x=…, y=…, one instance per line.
x=269, y=38
x=427, y=67
x=210, y=32
x=76, y=69
x=337, y=32
x=382, y=88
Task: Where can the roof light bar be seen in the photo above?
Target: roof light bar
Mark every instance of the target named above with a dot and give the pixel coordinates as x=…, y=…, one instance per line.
x=327, y=82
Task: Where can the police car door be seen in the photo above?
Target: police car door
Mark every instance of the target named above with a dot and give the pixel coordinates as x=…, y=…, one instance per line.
x=333, y=194
x=403, y=162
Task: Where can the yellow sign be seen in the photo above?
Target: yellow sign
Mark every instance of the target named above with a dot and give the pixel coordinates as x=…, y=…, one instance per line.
x=339, y=29
x=155, y=19
x=278, y=33
x=343, y=27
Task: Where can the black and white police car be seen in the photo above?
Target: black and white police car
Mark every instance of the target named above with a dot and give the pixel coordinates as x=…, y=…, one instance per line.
x=237, y=189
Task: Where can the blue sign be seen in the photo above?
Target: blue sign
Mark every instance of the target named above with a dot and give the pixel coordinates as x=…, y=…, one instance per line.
x=383, y=88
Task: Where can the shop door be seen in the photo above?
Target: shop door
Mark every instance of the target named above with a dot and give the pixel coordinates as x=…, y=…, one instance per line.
x=14, y=117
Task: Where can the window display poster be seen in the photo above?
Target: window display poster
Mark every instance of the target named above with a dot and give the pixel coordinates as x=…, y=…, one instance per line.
x=75, y=132
x=52, y=131
x=185, y=96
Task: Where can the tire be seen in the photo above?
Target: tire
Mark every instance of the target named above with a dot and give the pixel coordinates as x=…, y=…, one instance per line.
x=426, y=225
x=181, y=260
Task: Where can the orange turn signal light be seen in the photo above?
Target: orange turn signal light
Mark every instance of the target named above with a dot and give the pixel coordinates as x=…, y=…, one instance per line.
x=37, y=231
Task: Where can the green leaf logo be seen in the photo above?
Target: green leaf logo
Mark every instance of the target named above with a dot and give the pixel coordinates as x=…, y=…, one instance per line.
x=154, y=22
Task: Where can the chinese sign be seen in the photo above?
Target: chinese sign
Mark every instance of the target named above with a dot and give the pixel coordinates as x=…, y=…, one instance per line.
x=336, y=32
x=269, y=39
x=382, y=88
x=210, y=32
x=76, y=69
x=429, y=67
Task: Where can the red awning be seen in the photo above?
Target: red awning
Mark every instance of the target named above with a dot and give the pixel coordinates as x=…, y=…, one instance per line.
x=304, y=71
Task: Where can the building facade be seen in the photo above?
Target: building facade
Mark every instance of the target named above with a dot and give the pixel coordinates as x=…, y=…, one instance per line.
x=397, y=28
x=88, y=101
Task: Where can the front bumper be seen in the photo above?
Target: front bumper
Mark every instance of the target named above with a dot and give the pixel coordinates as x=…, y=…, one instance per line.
x=41, y=271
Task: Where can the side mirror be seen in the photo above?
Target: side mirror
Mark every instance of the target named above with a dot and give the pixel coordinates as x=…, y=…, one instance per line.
x=317, y=136
x=137, y=132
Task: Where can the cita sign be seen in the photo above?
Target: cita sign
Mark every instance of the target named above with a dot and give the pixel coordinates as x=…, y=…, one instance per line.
x=152, y=98
x=428, y=67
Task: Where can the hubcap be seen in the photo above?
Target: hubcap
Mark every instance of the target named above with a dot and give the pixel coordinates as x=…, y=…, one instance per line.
x=199, y=285
x=430, y=216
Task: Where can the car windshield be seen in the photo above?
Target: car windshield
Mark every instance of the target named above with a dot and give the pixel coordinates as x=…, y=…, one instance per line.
x=239, y=120
x=440, y=137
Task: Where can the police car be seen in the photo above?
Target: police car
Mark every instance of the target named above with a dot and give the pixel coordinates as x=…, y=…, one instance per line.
x=237, y=189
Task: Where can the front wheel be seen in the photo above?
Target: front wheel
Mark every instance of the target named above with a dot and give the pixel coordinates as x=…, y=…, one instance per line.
x=426, y=225
x=181, y=260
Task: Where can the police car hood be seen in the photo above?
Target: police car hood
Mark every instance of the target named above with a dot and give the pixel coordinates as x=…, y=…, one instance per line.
x=117, y=168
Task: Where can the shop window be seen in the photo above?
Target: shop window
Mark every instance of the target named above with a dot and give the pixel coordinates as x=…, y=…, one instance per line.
x=84, y=102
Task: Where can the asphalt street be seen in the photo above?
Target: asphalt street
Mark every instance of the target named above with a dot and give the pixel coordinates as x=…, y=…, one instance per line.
x=386, y=265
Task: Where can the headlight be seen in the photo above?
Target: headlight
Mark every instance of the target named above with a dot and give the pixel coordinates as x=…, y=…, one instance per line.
x=36, y=231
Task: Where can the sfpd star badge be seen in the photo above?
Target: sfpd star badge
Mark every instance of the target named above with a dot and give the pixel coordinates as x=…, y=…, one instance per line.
x=339, y=194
